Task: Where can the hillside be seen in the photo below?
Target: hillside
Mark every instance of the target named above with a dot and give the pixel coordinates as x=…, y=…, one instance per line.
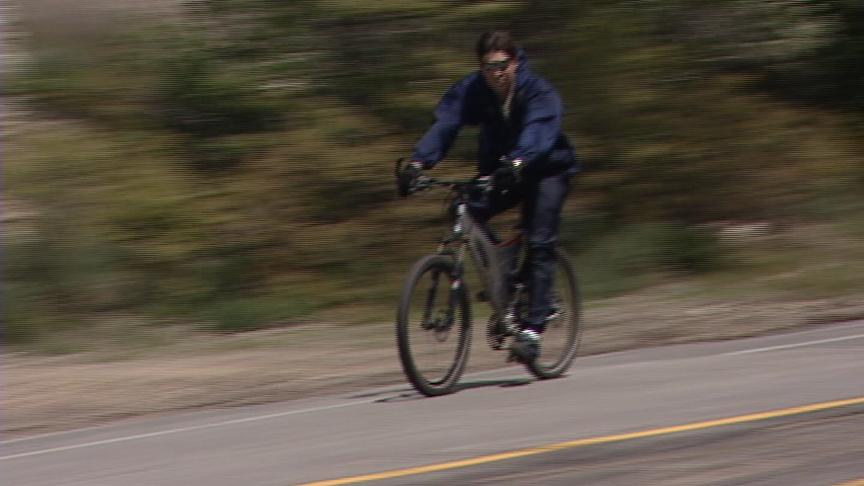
x=225, y=165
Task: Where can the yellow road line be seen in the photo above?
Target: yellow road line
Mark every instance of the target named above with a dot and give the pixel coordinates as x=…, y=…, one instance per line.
x=815, y=407
x=857, y=482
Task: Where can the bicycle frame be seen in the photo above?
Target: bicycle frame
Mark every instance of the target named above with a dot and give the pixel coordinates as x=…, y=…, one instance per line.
x=468, y=234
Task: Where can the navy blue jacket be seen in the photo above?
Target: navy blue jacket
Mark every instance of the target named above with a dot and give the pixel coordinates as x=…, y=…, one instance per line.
x=532, y=132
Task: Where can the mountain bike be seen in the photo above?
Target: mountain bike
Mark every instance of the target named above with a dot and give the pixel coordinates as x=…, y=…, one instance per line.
x=434, y=320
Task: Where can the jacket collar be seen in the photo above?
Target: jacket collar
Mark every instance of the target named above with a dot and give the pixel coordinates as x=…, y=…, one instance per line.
x=523, y=72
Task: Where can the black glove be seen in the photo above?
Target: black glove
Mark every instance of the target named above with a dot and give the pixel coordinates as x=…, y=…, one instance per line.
x=406, y=179
x=509, y=175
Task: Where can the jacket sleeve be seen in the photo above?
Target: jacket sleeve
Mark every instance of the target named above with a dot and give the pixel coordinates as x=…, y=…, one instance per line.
x=450, y=116
x=542, y=125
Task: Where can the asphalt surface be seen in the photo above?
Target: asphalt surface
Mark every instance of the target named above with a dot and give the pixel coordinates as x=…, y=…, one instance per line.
x=636, y=417
x=819, y=449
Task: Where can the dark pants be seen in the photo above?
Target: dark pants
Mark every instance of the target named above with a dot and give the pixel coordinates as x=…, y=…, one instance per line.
x=542, y=198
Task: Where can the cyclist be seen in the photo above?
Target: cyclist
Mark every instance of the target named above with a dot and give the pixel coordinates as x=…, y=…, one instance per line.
x=522, y=148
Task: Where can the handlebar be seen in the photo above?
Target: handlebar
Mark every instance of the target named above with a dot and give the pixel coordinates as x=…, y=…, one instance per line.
x=423, y=182
x=482, y=183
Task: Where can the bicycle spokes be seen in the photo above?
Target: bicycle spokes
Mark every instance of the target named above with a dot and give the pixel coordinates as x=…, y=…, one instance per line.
x=433, y=326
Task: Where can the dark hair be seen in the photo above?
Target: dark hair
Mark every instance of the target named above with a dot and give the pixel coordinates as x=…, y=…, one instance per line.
x=496, y=40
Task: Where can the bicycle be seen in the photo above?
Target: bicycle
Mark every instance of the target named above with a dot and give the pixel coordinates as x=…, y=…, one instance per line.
x=427, y=316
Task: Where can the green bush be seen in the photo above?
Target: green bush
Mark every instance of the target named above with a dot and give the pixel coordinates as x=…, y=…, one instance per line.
x=252, y=313
x=199, y=98
x=690, y=249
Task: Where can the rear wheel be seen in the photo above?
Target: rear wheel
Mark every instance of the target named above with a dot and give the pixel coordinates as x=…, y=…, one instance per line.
x=562, y=335
x=433, y=326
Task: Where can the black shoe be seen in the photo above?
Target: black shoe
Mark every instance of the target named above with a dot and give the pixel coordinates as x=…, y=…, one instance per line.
x=554, y=313
x=526, y=346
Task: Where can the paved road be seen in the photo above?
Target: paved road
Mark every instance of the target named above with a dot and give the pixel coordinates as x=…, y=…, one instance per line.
x=824, y=448
x=637, y=417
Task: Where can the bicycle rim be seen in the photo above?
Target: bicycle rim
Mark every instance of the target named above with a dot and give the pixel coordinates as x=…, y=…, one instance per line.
x=433, y=326
x=562, y=336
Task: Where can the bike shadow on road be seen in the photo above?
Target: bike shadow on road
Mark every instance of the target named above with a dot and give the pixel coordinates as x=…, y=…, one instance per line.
x=404, y=395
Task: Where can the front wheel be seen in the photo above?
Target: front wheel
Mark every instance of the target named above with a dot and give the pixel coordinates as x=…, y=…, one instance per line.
x=433, y=326
x=563, y=332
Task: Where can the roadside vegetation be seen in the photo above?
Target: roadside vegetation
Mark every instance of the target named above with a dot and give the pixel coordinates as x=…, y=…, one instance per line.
x=228, y=167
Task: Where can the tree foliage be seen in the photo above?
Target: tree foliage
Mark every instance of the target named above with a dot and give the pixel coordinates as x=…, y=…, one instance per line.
x=241, y=149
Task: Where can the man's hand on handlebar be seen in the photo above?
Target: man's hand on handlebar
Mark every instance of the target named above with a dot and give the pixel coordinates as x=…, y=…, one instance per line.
x=408, y=176
x=509, y=175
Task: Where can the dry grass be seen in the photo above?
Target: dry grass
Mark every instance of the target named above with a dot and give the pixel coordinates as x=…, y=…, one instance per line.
x=189, y=371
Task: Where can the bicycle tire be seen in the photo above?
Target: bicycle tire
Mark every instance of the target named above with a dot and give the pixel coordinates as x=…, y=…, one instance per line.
x=554, y=362
x=410, y=331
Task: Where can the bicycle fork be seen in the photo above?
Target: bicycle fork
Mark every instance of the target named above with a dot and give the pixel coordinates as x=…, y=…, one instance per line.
x=442, y=324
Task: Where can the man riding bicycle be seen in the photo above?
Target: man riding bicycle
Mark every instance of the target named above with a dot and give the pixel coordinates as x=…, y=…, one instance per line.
x=522, y=148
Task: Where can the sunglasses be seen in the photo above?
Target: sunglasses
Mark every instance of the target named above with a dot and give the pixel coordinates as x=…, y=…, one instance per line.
x=496, y=65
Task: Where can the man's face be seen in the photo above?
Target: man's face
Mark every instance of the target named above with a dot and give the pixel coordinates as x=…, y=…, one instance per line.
x=499, y=69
